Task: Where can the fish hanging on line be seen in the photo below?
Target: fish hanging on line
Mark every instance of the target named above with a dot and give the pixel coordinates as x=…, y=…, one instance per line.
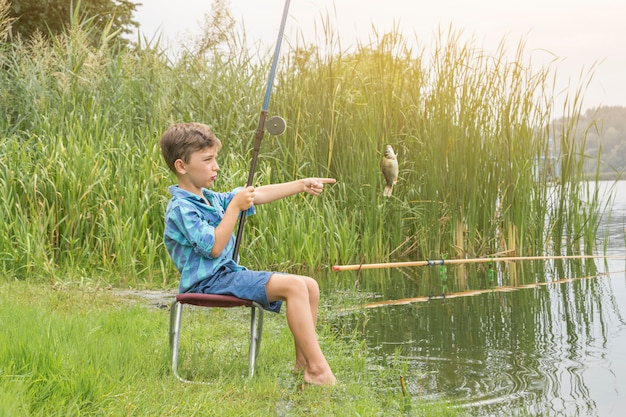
x=389, y=167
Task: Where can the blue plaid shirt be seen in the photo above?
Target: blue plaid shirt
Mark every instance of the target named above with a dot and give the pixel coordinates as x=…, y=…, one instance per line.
x=190, y=234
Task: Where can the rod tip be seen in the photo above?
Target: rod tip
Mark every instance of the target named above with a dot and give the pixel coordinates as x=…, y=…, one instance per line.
x=336, y=268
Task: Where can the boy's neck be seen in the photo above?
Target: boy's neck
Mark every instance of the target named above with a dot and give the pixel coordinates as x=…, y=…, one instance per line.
x=193, y=190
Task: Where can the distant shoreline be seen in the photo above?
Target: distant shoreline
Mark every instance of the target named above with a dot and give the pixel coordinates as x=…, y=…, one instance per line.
x=608, y=176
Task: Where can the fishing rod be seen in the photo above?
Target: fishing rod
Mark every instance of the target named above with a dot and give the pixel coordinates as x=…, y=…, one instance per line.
x=467, y=261
x=275, y=125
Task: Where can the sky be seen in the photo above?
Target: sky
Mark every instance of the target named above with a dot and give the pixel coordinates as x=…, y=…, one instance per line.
x=582, y=35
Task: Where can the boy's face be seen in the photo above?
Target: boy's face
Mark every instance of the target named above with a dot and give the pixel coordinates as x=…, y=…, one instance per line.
x=199, y=172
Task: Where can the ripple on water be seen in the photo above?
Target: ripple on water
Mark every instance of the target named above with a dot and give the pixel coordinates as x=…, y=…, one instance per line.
x=502, y=380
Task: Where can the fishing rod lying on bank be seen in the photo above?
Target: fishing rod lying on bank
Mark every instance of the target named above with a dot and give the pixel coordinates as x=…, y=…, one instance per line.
x=429, y=262
x=275, y=125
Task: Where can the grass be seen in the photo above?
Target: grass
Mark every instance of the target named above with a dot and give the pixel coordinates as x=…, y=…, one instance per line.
x=74, y=349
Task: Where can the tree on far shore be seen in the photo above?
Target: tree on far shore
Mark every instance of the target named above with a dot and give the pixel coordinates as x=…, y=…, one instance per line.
x=52, y=17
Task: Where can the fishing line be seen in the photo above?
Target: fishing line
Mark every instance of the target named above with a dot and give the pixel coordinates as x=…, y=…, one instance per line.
x=276, y=124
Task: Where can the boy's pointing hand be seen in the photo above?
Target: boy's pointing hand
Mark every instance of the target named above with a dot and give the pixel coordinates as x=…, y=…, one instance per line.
x=315, y=186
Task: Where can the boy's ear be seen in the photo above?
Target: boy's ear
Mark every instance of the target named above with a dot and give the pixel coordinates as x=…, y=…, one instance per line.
x=180, y=166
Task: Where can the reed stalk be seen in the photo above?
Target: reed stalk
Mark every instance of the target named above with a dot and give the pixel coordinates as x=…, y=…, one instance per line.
x=83, y=188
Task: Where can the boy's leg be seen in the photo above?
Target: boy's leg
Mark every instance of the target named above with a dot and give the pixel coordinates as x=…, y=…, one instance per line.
x=314, y=298
x=295, y=291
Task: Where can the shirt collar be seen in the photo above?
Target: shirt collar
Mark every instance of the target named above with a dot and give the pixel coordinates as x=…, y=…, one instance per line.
x=176, y=191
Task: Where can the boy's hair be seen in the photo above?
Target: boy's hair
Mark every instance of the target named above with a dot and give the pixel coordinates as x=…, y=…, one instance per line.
x=183, y=139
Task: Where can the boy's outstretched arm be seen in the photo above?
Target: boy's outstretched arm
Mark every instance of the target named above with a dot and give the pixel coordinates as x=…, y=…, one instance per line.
x=273, y=192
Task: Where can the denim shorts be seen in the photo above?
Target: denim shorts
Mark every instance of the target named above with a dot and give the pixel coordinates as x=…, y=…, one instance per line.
x=246, y=284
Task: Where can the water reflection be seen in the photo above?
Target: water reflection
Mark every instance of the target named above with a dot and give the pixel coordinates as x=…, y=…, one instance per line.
x=551, y=349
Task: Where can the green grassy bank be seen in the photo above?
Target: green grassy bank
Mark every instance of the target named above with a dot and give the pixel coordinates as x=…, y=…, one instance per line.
x=75, y=350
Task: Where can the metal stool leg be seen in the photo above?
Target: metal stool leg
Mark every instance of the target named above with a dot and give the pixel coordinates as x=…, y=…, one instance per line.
x=176, y=314
x=256, y=331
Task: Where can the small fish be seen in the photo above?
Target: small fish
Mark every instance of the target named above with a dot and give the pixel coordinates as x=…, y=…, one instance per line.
x=389, y=167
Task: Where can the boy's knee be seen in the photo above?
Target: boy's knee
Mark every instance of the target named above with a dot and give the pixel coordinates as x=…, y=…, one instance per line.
x=312, y=285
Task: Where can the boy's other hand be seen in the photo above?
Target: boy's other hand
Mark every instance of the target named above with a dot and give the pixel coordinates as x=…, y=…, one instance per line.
x=244, y=198
x=315, y=186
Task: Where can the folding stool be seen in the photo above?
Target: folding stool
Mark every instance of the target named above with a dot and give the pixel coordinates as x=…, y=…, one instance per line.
x=214, y=301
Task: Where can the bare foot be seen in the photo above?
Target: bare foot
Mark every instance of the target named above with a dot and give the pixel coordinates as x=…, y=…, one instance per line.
x=324, y=377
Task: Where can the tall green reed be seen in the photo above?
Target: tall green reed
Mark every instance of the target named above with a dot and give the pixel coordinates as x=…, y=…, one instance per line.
x=79, y=164
x=469, y=128
x=84, y=188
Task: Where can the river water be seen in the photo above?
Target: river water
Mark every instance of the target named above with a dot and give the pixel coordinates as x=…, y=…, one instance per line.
x=556, y=347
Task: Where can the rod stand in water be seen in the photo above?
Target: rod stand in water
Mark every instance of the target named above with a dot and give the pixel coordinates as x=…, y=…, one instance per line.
x=276, y=124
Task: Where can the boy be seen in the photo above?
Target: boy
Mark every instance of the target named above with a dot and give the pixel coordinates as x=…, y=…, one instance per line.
x=199, y=225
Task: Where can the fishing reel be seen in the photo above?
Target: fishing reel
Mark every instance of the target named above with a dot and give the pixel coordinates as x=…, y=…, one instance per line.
x=275, y=125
